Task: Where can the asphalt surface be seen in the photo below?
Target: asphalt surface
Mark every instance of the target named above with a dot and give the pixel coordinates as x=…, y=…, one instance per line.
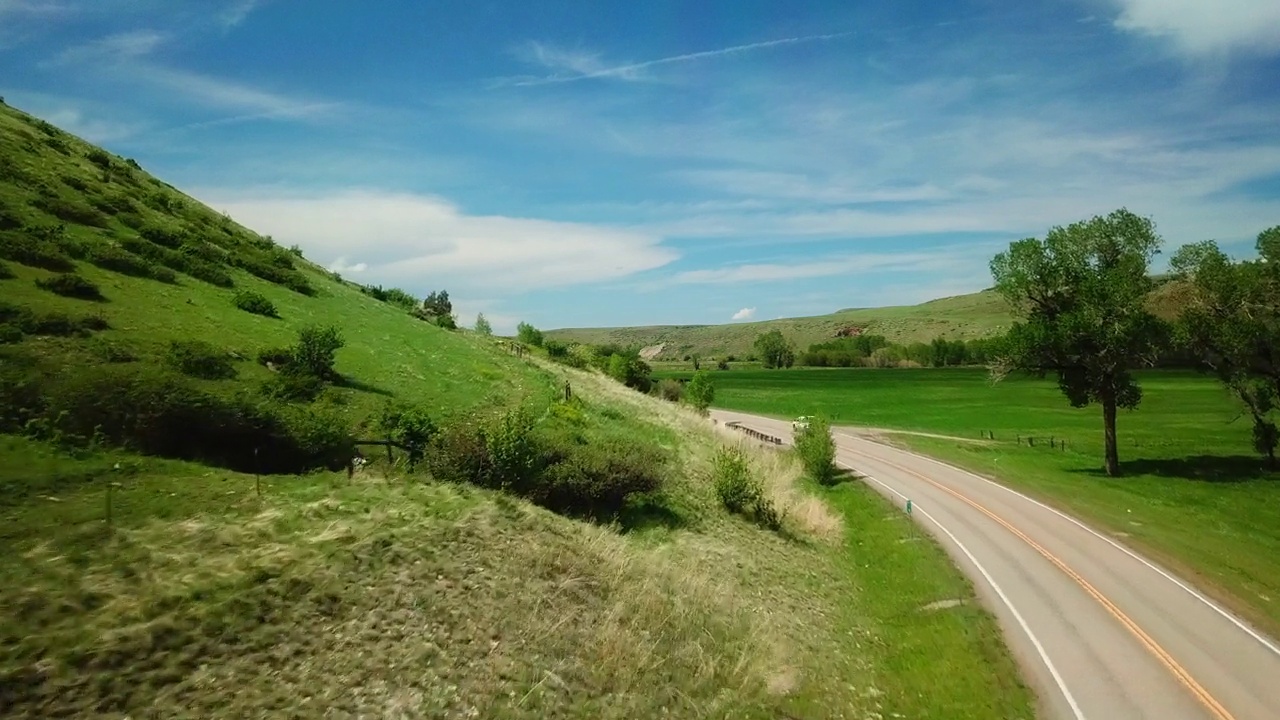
x=1100, y=632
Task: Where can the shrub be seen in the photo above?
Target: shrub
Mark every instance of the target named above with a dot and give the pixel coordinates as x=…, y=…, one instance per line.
x=199, y=359
x=205, y=251
x=10, y=334
x=99, y=157
x=817, y=450
x=116, y=259
x=256, y=303
x=70, y=211
x=289, y=386
x=131, y=220
x=278, y=357
x=33, y=252
x=739, y=491
x=6, y=273
x=75, y=183
x=112, y=352
x=701, y=391
x=157, y=413
x=513, y=451
x=255, y=264
x=72, y=286
x=459, y=453
x=482, y=325
x=446, y=322
x=162, y=236
x=722, y=365
x=409, y=426
x=315, y=351
x=598, y=479
x=209, y=273
x=556, y=350
x=670, y=390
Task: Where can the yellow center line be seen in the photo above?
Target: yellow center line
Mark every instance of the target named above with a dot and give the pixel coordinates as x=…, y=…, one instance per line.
x=1161, y=654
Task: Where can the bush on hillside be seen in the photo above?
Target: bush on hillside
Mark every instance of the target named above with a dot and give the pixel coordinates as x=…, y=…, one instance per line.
x=116, y=204
x=98, y=157
x=71, y=211
x=598, y=480
x=529, y=335
x=261, y=267
x=208, y=252
x=131, y=220
x=111, y=351
x=739, y=491
x=289, y=386
x=166, y=237
x=556, y=350
x=445, y=322
x=116, y=259
x=199, y=359
x=25, y=249
x=156, y=413
x=75, y=183
x=256, y=303
x=669, y=390
x=72, y=286
x=315, y=352
x=5, y=272
x=55, y=324
x=412, y=427
x=817, y=450
x=278, y=357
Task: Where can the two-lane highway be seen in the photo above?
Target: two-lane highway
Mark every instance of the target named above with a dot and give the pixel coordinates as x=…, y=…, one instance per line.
x=1101, y=632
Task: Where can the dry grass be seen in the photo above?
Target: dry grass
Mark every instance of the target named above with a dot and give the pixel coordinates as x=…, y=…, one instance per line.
x=780, y=473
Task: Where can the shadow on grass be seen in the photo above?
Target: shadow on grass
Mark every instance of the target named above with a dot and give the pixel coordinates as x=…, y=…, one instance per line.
x=650, y=513
x=1204, y=468
x=841, y=476
x=361, y=386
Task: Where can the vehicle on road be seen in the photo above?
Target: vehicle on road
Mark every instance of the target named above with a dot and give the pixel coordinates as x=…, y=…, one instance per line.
x=801, y=423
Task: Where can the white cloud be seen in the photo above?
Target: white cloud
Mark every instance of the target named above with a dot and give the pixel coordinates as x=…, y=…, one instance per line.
x=36, y=8
x=744, y=314
x=340, y=266
x=1203, y=27
x=418, y=241
x=845, y=264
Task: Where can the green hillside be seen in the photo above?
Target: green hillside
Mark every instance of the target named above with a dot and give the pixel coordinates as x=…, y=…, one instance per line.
x=179, y=537
x=959, y=318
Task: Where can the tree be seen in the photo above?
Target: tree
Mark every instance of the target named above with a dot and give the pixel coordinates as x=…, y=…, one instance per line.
x=482, y=325
x=817, y=449
x=315, y=351
x=1231, y=322
x=701, y=391
x=438, y=304
x=1081, y=293
x=775, y=351
x=529, y=335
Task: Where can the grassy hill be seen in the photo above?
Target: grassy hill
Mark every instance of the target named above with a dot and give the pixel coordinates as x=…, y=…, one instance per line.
x=147, y=567
x=962, y=317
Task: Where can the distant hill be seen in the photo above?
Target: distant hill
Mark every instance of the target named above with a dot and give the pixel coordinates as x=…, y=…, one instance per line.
x=961, y=317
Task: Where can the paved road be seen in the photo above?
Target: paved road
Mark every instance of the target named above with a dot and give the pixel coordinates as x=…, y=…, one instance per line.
x=1100, y=632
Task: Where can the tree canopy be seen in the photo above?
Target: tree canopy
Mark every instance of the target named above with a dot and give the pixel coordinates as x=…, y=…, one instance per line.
x=775, y=351
x=1231, y=320
x=482, y=325
x=1081, y=293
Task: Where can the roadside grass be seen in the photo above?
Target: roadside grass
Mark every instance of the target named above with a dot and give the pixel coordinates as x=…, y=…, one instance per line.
x=1194, y=495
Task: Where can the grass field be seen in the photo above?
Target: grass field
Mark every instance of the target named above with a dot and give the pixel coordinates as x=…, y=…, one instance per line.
x=1194, y=495
x=223, y=594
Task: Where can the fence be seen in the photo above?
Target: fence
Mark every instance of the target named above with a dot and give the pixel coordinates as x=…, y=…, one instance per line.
x=753, y=433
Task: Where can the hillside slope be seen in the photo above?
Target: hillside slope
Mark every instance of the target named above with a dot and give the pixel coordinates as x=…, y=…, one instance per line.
x=961, y=317
x=179, y=581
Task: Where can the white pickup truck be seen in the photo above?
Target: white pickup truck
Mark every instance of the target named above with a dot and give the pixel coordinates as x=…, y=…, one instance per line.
x=800, y=423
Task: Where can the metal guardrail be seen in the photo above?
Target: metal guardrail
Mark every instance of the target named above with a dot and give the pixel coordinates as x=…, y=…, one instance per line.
x=753, y=433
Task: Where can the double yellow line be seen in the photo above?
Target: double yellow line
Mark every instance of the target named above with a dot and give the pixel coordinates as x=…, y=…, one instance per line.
x=1201, y=694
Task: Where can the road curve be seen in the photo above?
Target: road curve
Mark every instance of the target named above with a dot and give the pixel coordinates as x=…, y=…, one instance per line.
x=1100, y=632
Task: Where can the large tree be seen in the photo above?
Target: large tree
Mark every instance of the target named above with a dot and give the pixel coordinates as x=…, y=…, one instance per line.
x=1231, y=320
x=775, y=350
x=1081, y=294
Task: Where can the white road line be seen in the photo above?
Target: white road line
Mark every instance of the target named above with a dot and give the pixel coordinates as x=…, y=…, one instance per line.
x=1192, y=591
x=1062, y=685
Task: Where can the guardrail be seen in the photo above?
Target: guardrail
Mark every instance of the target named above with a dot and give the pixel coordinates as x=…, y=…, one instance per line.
x=753, y=433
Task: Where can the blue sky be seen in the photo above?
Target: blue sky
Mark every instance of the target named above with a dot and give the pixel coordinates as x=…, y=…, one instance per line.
x=607, y=163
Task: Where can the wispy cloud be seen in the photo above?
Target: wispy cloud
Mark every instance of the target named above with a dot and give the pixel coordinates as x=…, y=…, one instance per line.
x=113, y=48
x=744, y=314
x=1199, y=28
x=236, y=12
x=843, y=264
x=127, y=57
x=583, y=66
x=33, y=8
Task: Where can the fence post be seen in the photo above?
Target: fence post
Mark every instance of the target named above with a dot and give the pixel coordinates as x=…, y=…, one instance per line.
x=390, y=457
x=257, y=473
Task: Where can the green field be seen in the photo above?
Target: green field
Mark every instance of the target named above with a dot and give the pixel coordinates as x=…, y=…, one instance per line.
x=1194, y=495
x=136, y=584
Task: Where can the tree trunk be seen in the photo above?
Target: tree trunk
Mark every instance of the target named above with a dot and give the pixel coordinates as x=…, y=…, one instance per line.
x=1112, y=461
